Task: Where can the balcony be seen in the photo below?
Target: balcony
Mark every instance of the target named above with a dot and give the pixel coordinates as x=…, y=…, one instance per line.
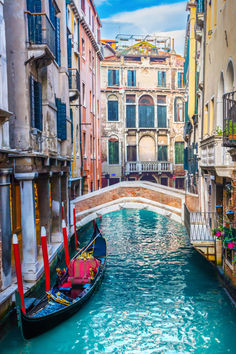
x=148, y=166
x=214, y=156
x=229, y=119
x=41, y=39
x=74, y=84
x=187, y=130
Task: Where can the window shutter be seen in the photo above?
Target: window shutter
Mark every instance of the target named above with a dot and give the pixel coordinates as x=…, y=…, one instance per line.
x=134, y=77
x=129, y=78
x=179, y=152
x=58, y=43
x=71, y=119
x=38, y=105
x=130, y=116
x=161, y=115
x=117, y=77
x=109, y=77
x=52, y=15
x=61, y=120
x=175, y=111
x=159, y=78
x=164, y=79
x=162, y=153
x=32, y=103
x=113, y=152
x=69, y=46
x=112, y=110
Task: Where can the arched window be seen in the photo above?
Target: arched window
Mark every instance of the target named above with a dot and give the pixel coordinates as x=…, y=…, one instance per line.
x=112, y=109
x=229, y=77
x=179, y=109
x=146, y=112
x=113, y=151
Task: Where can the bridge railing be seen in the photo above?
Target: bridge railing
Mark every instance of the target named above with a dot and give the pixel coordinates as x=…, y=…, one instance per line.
x=199, y=225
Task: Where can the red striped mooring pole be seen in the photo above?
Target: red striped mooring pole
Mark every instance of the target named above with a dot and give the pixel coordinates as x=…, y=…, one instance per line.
x=64, y=230
x=18, y=271
x=63, y=210
x=45, y=258
x=75, y=231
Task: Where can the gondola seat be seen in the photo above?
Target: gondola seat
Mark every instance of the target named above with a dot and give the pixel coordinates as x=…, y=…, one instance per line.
x=82, y=271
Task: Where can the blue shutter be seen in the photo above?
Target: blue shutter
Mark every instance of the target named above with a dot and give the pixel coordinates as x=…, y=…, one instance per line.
x=117, y=77
x=71, y=119
x=110, y=77
x=69, y=46
x=61, y=120
x=52, y=14
x=38, y=105
x=34, y=21
x=159, y=78
x=32, y=104
x=130, y=116
x=58, y=43
x=113, y=111
x=164, y=78
x=129, y=78
x=134, y=77
x=186, y=158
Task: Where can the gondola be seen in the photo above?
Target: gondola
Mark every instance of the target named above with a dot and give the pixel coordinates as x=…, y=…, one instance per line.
x=69, y=292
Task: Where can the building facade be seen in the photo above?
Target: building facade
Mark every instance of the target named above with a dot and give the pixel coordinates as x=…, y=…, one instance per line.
x=84, y=56
x=143, y=114
x=210, y=128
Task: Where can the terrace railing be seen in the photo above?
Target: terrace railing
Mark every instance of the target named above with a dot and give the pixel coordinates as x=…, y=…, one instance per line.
x=148, y=166
x=229, y=119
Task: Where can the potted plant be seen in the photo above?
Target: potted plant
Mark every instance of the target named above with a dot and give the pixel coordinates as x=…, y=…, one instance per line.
x=231, y=130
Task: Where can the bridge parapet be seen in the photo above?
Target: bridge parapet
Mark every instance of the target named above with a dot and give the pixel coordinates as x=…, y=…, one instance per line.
x=132, y=194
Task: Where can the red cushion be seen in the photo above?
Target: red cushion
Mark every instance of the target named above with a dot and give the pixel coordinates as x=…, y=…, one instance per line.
x=66, y=285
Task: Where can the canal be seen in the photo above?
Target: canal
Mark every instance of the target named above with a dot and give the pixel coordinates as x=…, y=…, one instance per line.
x=158, y=296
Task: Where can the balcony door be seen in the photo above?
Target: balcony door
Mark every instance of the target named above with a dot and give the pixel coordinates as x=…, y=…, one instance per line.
x=147, y=149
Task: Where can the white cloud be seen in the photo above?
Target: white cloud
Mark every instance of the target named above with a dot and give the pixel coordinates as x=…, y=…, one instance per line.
x=168, y=20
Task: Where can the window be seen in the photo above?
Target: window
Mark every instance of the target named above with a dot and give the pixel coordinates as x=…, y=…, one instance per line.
x=131, y=77
x=164, y=181
x=113, y=77
x=180, y=80
x=113, y=151
x=83, y=94
x=179, y=152
x=84, y=143
x=36, y=104
x=130, y=111
x=112, y=109
x=205, y=126
x=179, y=110
x=161, y=79
x=162, y=153
x=83, y=5
x=161, y=112
x=211, y=121
x=131, y=153
x=83, y=48
x=146, y=112
x=179, y=183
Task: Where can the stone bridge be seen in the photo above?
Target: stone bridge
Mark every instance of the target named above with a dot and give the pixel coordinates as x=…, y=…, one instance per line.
x=139, y=195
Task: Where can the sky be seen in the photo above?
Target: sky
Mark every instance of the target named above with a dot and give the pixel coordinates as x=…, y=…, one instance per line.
x=164, y=17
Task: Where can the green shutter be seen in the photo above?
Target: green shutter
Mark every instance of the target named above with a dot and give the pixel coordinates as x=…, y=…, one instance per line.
x=130, y=116
x=162, y=153
x=113, y=152
x=129, y=78
x=161, y=116
x=38, y=105
x=186, y=158
x=179, y=153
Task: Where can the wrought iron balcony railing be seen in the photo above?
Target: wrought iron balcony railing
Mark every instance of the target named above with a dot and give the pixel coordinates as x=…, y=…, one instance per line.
x=229, y=119
x=148, y=166
x=41, y=30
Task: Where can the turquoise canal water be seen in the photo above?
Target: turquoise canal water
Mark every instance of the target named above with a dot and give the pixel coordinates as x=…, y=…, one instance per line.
x=158, y=296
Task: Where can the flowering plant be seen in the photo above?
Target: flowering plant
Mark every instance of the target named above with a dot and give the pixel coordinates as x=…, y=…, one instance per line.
x=219, y=232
